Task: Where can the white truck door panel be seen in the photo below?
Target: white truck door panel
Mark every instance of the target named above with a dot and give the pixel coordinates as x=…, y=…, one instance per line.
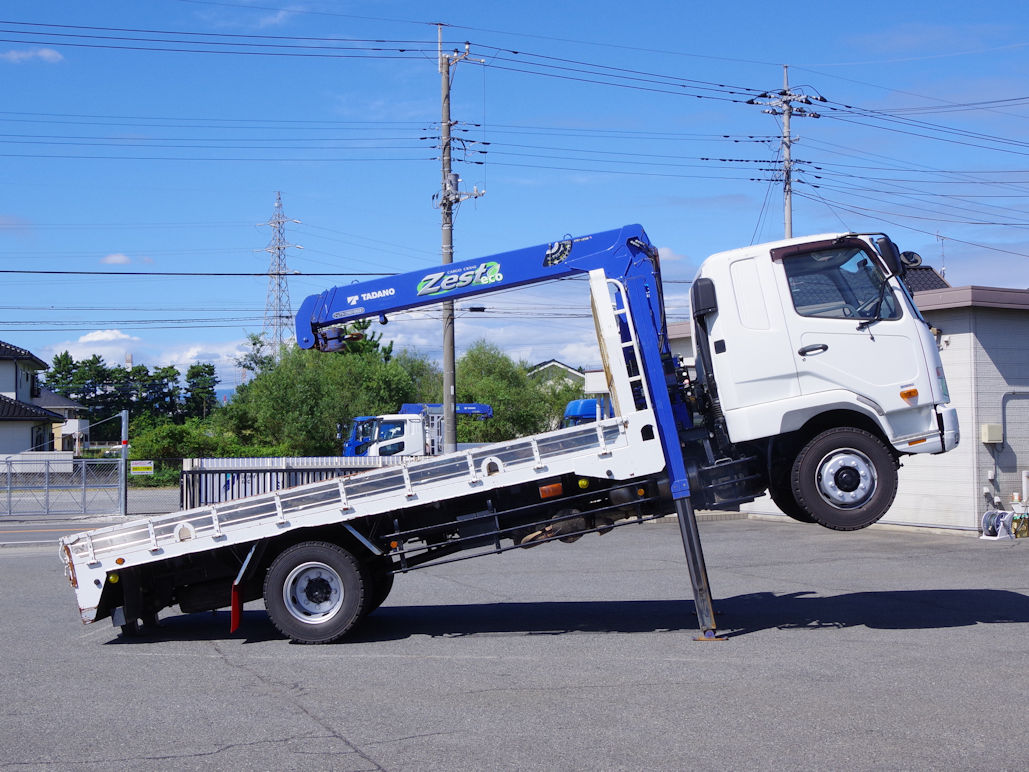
x=874, y=365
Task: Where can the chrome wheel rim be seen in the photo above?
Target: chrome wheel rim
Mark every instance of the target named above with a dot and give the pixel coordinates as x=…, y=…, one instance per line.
x=313, y=592
x=846, y=478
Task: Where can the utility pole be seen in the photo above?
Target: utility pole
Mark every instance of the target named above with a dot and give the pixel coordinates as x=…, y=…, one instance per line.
x=278, y=315
x=781, y=103
x=450, y=195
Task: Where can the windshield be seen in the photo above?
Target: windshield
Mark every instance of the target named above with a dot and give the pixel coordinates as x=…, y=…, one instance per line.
x=364, y=430
x=840, y=283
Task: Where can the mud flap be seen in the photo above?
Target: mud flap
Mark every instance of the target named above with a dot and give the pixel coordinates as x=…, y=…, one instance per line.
x=235, y=597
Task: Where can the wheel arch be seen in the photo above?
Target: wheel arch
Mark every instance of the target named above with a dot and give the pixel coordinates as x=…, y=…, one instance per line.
x=272, y=547
x=788, y=444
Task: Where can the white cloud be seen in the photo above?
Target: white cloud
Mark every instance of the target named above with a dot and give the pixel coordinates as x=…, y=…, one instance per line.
x=275, y=19
x=116, y=258
x=105, y=336
x=667, y=254
x=16, y=225
x=113, y=346
x=42, y=54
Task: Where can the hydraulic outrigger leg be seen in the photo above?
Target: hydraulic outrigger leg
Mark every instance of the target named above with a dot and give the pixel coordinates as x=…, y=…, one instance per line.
x=698, y=570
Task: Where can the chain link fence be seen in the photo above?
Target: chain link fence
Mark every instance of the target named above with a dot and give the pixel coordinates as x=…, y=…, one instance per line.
x=79, y=486
x=60, y=487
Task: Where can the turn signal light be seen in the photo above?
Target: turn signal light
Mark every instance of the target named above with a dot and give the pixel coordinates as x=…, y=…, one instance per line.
x=909, y=393
x=550, y=491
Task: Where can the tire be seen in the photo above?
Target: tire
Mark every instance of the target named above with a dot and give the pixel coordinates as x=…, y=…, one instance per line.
x=315, y=592
x=781, y=493
x=382, y=582
x=845, y=478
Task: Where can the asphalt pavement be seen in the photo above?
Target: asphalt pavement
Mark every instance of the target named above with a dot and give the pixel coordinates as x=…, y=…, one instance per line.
x=878, y=649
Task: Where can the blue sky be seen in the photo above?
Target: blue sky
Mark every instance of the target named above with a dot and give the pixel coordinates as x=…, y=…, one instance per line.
x=152, y=137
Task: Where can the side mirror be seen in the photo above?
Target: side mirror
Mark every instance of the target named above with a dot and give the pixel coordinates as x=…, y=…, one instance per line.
x=890, y=255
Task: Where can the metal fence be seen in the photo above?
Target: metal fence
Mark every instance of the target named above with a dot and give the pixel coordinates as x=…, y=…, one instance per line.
x=67, y=486
x=207, y=481
x=60, y=487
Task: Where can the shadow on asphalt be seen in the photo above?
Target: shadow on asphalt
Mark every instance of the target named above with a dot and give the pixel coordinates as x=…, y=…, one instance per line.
x=736, y=616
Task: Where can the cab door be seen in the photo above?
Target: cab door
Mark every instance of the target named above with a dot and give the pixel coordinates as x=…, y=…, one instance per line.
x=849, y=329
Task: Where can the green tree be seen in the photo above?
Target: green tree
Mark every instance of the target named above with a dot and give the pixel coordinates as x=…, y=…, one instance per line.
x=258, y=358
x=200, y=400
x=298, y=403
x=62, y=371
x=425, y=374
x=486, y=374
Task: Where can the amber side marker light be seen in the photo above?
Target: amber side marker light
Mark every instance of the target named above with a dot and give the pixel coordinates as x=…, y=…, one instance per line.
x=917, y=442
x=549, y=491
x=909, y=393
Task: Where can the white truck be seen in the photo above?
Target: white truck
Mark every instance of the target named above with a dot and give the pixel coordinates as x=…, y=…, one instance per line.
x=417, y=430
x=815, y=375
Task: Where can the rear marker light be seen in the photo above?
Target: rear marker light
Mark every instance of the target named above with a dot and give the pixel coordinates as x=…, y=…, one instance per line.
x=549, y=491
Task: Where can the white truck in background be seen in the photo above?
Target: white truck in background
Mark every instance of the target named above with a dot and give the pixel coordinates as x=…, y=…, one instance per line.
x=815, y=374
x=417, y=430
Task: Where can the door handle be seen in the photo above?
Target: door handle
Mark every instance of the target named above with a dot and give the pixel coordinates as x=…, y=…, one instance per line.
x=815, y=348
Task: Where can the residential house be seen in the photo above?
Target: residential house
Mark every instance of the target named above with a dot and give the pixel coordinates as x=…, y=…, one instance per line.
x=71, y=432
x=24, y=426
x=557, y=373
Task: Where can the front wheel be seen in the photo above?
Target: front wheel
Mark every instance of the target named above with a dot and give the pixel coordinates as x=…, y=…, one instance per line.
x=315, y=592
x=845, y=478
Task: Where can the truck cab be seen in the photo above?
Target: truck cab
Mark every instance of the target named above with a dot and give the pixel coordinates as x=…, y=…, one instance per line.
x=417, y=430
x=584, y=411
x=802, y=337
x=386, y=435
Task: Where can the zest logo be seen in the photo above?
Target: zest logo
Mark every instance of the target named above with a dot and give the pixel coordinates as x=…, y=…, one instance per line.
x=442, y=282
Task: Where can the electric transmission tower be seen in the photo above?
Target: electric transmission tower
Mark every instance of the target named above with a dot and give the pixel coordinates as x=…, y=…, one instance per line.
x=781, y=103
x=278, y=315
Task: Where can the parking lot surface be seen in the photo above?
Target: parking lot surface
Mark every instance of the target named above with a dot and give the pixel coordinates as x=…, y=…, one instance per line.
x=879, y=649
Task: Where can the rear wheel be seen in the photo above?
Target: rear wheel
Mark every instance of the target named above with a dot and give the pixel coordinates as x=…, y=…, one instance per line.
x=845, y=478
x=782, y=496
x=382, y=582
x=315, y=592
